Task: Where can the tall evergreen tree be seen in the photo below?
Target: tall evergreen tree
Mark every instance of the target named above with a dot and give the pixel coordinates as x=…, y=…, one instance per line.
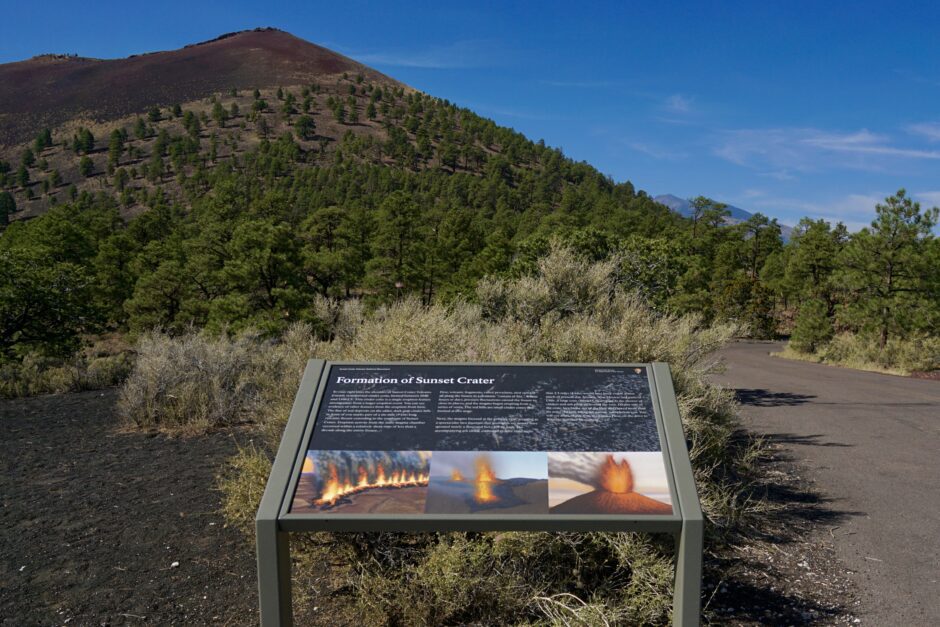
x=888, y=271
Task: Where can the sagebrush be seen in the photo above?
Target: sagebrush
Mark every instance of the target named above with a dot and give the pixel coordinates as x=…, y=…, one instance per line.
x=568, y=310
x=920, y=353
x=87, y=370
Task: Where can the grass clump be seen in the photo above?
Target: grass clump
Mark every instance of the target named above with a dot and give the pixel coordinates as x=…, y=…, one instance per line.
x=900, y=356
x=97, y=367
x=569, y=310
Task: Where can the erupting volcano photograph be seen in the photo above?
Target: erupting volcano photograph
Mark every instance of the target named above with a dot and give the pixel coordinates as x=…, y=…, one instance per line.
x=465, y=482
x=363, y=482
x=608, y=483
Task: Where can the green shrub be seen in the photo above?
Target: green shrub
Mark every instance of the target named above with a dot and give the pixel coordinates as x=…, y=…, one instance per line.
x=917, y=353
x=39, y=374
x=568, y=310
x=920, y=353
x=812, y=327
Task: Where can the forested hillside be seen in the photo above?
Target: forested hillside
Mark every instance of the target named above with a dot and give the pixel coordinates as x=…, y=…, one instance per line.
x=235, y=209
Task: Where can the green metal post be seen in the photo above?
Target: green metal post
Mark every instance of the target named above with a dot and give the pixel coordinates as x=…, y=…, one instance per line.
x=686, y=604
x=273, y=544
x=274, y=589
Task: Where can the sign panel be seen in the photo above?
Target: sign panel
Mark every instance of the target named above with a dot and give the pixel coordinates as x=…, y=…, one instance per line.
x=508, y=440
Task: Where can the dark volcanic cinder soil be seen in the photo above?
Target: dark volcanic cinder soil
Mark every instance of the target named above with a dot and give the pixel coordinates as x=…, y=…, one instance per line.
x=93, y=521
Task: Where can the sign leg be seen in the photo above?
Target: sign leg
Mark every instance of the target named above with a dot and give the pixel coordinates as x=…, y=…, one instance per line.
x=687, y=599
x=274, y=593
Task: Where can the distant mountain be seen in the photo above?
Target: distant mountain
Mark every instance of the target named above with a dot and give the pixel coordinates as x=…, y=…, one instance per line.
x=49, y=90
x=684, y=208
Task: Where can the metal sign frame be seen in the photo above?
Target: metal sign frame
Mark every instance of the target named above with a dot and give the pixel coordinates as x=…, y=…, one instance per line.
x=274, y=521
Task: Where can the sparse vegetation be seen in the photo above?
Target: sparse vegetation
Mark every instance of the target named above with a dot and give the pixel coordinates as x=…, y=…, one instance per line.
x=99, y=366
x=899, y=356
x=568, y=310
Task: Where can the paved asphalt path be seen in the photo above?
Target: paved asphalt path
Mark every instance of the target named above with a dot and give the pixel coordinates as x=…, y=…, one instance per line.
x=872, y=444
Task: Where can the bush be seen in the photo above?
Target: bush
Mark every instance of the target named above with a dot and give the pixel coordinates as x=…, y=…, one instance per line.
x=568, y=310
x=812, y=327
x=198, y=382
x=40, y=374
x=918, y=353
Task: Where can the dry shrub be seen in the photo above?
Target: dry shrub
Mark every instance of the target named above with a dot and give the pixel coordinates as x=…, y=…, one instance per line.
x=920, y=353
x=197, y=382
x=88, y=370
x=569, y=310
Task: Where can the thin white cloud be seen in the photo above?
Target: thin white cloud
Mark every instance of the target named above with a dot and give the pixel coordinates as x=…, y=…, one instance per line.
x=458, y=55
x=865, y=142
x=855, y=211
x=928, y=130
x=511, y=112
x=779, y=175
x=657, y=152
x=578, y=84
x=928, y=199
x=677, y=103
x=811, y=149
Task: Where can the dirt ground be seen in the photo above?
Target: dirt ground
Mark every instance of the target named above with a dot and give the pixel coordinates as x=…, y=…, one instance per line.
x=107, y=528
x=104, y=527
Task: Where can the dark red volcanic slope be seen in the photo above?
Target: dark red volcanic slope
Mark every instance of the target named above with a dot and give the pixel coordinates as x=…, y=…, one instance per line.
x=48, y=91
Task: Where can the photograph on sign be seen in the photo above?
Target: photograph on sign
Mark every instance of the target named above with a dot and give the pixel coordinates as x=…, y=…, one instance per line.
x=479, y=439
x=363, y=482
x=504, y=482
x=608, y=483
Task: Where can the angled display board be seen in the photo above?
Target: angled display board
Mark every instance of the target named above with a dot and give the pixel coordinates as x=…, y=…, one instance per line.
x=450, y=447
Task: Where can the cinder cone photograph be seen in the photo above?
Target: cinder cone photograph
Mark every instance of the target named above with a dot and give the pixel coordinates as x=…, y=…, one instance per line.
x=483, y=482
x=608, y=483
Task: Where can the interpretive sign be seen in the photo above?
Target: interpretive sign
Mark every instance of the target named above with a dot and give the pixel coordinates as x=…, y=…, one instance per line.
x=508, y=440
x=446, y=447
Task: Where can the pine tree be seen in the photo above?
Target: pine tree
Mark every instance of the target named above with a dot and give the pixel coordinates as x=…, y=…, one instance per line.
x=813, y=326
x=86, y=166
x=43, y=140
x=115, y=148
x=140, y=128
x=22, y=176
x=86, y=141
x=305, y=127
x=888, y=271
x=7, y=207
x=219, y=114
x=28, y=158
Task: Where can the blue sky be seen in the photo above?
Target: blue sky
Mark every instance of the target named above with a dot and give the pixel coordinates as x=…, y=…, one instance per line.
x=789, y=108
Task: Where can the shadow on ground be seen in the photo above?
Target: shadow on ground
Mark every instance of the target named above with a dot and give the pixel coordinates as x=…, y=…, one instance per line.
x=765, y=398
x=786, y=439
x=788, y=575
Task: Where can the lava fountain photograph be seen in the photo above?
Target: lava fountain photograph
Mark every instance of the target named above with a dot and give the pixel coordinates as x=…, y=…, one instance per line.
x=608, y=483
x=465, y=482
x=363, y=482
